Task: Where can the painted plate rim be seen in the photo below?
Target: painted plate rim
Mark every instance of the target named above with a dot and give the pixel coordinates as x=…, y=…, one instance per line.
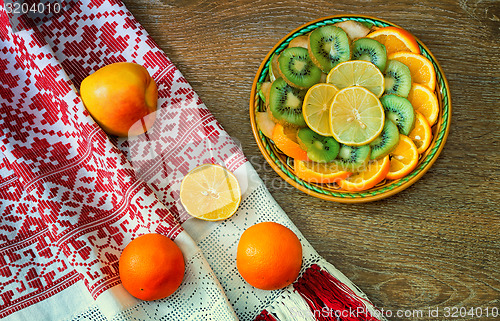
x=283, y=165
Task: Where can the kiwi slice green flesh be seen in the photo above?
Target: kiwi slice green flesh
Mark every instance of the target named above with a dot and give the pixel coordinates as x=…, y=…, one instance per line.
x=285, y=103
x=386, y=141
x=321, y=149
x=353, y=158
x=397, y=78
x=400, y=111
x=367, y=24
x=297, y=68
x=370, y=50
x=329, y=46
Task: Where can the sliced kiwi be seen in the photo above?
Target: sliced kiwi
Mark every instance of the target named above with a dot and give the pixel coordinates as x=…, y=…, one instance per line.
x=300, y=41
x=367, y=24
x=297, y=69
x=321, y=149
x=370, y=50
x=285, y=103
x=353, y=28
x=329, y=46
x=265, y=123
x=397, y=78
x=353, y=158
x=263, y=89
x=273, y=68
x=386, y=141
x=400, y=111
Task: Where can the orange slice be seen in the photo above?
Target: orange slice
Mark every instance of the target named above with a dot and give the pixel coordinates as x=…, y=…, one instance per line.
x=285, y=139
x=421, y=69
x=421, y=133
x=210, y=192
x=395, y=39
x=374, y=173
x=424, y=101
x=403, y=159
x=319, y=173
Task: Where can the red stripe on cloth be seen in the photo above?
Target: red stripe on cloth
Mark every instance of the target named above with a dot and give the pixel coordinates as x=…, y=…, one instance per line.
x=70, y=200
x=265, y=316
x=12, y=302
x=70, y=179
x=329, y=299
x=185, y=133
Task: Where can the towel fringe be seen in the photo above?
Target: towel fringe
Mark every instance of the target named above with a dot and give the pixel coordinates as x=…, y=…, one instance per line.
x=322, y=293
x=291, y=306
x=329, y=299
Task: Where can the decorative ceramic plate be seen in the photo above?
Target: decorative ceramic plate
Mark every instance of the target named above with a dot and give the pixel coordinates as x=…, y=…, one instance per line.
x=283, y=164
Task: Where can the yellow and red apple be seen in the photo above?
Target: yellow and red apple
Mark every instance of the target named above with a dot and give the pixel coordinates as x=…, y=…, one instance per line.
x=122, y=98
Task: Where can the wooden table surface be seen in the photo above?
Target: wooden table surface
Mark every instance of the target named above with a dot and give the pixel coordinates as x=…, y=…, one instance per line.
x=435, y=244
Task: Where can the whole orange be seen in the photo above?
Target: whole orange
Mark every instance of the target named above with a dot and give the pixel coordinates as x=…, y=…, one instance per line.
x=151, y=267
x=269, y=256
x=122, y=98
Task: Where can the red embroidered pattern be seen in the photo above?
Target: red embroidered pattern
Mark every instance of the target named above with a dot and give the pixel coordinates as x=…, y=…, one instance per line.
x=70, y=200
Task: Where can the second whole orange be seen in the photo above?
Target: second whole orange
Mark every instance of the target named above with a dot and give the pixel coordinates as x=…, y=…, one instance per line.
x=269, y=256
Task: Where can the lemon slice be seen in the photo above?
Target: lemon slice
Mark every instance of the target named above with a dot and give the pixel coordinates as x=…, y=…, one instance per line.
x=316, y=107
x=356, y=116
x=357, y=73
x=210, y=192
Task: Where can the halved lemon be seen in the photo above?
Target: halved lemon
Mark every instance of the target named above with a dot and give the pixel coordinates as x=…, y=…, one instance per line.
x=356, y=116
x=319, y=173
x=210, y=192
x=374, y=173
x=316, y=107
x=357, y=73
x=403, y=159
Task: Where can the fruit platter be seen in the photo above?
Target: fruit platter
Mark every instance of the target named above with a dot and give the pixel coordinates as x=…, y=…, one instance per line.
x=350, y=108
